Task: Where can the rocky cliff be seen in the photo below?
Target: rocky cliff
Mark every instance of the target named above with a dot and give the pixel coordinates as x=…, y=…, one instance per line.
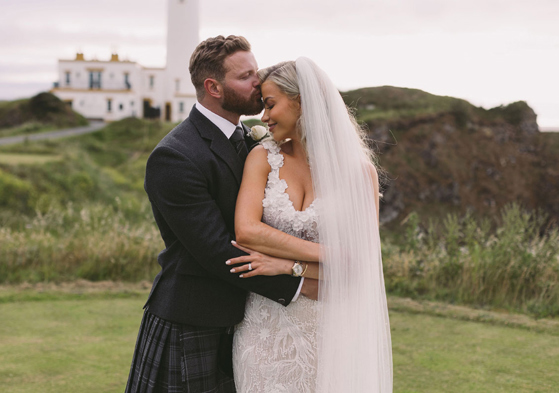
x=442, y=154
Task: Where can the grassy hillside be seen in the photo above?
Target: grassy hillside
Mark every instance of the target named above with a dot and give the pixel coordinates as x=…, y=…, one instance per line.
x=40, y=113
x=84, y=213
x=94, y=168
x=76, y=208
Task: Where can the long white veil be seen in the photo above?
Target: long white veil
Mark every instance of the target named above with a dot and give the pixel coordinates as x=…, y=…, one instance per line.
x=354, y=351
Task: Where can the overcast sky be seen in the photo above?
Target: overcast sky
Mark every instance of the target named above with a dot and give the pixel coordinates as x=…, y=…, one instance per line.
x=490, y=52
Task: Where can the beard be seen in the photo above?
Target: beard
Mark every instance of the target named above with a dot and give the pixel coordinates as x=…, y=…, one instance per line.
x=235, y=103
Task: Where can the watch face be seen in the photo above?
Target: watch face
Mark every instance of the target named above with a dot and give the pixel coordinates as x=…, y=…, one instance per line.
x=297, y=269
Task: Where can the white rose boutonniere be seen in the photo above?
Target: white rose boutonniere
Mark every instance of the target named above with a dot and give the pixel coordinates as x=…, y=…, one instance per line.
x=259, y=133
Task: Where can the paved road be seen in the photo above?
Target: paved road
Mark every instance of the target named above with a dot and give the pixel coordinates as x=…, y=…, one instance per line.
x=92, y=127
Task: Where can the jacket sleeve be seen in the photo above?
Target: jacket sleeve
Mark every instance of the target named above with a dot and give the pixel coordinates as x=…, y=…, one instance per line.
x=180, y=191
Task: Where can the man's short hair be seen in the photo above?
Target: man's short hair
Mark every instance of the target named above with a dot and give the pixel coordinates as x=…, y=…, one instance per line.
x=207, y=60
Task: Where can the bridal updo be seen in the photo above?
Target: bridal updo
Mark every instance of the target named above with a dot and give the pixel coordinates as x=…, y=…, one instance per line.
x=284, y=76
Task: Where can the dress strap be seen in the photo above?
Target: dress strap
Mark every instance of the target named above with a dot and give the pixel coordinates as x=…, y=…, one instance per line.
x=275, y=158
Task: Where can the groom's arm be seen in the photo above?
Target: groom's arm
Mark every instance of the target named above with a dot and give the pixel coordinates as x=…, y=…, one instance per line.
x=180, y=192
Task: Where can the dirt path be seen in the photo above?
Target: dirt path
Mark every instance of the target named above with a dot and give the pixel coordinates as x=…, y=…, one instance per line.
x=92, y=127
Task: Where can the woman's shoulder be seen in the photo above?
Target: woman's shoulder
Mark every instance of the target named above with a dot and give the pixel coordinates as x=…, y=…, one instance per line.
x=372, y=170
x=258, y=152
x=258, y=158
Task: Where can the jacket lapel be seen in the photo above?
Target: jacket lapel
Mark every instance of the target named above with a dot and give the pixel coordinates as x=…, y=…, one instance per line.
x=219, y=144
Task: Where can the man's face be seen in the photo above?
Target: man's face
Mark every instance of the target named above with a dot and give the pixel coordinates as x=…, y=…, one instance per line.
x=241, y=92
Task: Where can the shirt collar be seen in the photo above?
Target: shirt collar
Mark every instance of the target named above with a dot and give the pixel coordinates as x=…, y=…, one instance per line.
x=224, y=125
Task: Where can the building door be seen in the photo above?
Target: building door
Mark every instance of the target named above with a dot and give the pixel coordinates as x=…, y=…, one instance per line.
x=167, y=111
x=149, y=111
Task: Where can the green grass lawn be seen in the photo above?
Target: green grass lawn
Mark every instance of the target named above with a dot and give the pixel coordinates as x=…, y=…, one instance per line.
x=84, y=342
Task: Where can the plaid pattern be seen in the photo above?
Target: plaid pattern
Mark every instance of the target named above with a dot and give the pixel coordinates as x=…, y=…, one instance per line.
x=176, y=358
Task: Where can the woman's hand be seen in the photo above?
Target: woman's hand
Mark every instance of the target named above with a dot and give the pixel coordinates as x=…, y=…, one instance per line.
x=258, y=264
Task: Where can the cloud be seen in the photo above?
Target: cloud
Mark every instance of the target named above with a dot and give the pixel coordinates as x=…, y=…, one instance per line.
x=487, y=51
x=386, y=17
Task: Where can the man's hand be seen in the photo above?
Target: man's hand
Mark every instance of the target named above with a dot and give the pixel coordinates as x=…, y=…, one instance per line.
x=310, y=288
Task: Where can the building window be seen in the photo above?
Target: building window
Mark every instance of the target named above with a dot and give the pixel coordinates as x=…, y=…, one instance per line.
x=109, y=104
x=178, y=85
x=121, y=107
x=67, y=73
x=127, y=81
x=151, y=81
x=94, y=79
x=181, y=107
x=131, y=103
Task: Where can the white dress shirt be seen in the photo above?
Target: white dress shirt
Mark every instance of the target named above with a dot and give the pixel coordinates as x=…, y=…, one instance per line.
x=228, y=129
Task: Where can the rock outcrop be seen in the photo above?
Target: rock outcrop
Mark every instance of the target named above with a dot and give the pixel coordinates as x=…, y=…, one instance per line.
x=442, y=154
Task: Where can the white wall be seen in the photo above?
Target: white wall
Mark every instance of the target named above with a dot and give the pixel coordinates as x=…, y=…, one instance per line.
x=182, y=39
x=94, y=104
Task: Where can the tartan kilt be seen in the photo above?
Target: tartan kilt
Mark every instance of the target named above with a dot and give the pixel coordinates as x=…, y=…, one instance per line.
x=177, y=358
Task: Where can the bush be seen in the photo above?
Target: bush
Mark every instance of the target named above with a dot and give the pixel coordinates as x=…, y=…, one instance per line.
x=15, y=194
x=44, y=108
x=462, y=260
x=93, y=242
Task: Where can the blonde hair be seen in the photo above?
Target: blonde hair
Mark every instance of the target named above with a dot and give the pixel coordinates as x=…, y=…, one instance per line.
x=284, y=76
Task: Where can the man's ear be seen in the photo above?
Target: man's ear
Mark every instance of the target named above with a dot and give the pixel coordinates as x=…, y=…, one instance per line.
x=213, y=88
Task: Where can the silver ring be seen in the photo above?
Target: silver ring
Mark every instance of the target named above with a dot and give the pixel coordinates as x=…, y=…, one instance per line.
x=249, y=266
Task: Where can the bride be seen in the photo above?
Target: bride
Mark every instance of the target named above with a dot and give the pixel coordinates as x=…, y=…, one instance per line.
x=313, y=180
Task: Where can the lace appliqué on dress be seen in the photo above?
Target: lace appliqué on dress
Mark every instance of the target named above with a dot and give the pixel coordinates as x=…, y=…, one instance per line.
x=278, y=210
x=274, y=347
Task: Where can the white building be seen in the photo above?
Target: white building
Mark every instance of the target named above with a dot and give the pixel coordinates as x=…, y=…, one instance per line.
x=115, y=89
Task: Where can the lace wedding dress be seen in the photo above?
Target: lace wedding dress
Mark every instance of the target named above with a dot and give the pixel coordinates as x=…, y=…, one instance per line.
x=274, y=348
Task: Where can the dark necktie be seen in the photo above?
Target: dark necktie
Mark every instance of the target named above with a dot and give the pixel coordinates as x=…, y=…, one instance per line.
x=238, y=141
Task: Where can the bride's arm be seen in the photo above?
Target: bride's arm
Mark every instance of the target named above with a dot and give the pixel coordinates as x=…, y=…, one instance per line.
x=258, y=264
x=250, y=231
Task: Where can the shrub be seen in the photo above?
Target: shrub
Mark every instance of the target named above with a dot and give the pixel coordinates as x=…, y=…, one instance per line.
x=15, y=194
x=94, y=242
x=463, y=260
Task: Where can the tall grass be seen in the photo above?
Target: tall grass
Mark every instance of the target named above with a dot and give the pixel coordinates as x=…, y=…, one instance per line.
x=84, y=216
x=94, y=242
x=512, y=265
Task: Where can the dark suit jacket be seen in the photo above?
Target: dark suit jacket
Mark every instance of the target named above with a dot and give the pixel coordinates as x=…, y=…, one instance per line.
x=192, y=180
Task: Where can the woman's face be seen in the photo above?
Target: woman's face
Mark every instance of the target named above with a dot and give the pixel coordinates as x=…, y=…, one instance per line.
x=280, y=112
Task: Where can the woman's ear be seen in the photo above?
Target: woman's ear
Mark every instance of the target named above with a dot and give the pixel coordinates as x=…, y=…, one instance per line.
x=297, y=102
x=213, y=88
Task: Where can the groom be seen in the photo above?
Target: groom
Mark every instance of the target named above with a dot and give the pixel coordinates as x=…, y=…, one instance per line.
x=192, y=180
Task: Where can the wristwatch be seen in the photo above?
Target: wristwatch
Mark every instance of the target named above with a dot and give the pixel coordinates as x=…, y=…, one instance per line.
x=297, y=269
